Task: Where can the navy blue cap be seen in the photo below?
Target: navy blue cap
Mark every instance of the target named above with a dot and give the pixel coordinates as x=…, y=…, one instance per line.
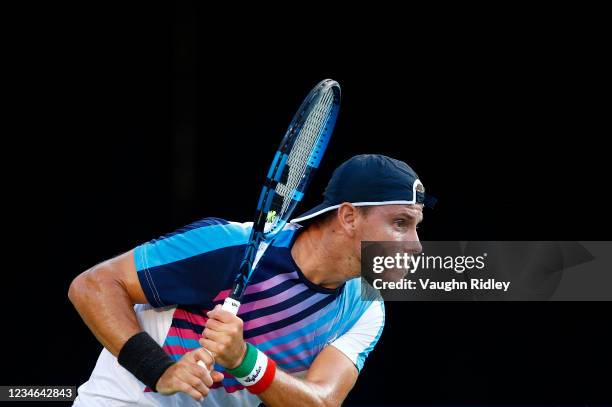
x=369, y=180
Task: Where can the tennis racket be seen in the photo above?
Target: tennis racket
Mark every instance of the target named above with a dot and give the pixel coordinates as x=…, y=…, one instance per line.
x=292, y=169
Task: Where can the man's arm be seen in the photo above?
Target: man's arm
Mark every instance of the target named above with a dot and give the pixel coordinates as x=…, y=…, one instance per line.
x=105, y=296
x=327, y=383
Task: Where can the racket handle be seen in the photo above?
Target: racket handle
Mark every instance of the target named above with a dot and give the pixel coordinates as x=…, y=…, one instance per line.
x=231, y=305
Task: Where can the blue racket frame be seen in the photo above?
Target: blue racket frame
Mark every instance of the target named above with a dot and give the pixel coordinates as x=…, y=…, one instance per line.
x=275, y=173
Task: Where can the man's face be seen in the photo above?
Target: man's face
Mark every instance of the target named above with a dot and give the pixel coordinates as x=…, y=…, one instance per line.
x=396, y=223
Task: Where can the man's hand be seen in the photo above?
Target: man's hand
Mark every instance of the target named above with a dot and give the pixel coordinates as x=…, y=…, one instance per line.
x=223, y=337
x=186, y=376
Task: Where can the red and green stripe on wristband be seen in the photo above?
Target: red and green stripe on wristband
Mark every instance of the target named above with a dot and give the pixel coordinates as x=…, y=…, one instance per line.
x=256, y=372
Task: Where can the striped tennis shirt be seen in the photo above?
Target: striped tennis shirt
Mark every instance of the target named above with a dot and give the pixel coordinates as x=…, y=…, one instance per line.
x=186, y=273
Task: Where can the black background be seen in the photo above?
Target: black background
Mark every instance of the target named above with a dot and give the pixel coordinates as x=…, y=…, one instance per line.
x=139, y=119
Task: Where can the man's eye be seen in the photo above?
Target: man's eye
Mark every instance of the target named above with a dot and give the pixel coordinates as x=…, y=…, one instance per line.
x=400, y=222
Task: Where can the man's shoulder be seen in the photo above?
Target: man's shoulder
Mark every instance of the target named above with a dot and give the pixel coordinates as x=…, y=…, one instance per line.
x=214, y=223
x=358, y=289
x=210, y=227
x=205, y=237
x=361, y=298
x=286, y=237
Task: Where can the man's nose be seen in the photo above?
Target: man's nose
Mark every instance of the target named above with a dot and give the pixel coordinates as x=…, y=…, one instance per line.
x=413, y=246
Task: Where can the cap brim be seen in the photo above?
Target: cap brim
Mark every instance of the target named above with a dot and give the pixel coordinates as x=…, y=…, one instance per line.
x=314, y=212
x=429, y=201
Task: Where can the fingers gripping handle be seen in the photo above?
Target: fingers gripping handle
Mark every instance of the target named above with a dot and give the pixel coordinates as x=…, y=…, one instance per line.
x=230, y=305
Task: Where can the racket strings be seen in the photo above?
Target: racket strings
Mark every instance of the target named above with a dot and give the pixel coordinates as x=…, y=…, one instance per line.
x=303, y=147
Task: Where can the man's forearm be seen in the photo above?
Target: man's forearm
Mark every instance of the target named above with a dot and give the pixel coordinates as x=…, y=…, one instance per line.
x=287, y=390
x=106, y=308
x=327, y=382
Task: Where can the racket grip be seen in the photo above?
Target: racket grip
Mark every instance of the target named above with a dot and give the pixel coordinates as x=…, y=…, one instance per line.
x=231, y=305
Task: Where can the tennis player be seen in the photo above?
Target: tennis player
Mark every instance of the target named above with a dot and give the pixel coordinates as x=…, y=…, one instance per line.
x=303, y=331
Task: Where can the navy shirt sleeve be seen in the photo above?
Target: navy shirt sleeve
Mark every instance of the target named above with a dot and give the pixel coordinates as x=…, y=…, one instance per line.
x=193, y=264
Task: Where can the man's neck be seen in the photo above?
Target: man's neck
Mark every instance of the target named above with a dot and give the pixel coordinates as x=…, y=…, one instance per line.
x=319, y=256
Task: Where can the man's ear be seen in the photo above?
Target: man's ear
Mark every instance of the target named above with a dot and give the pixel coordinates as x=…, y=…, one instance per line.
x=347, y=218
